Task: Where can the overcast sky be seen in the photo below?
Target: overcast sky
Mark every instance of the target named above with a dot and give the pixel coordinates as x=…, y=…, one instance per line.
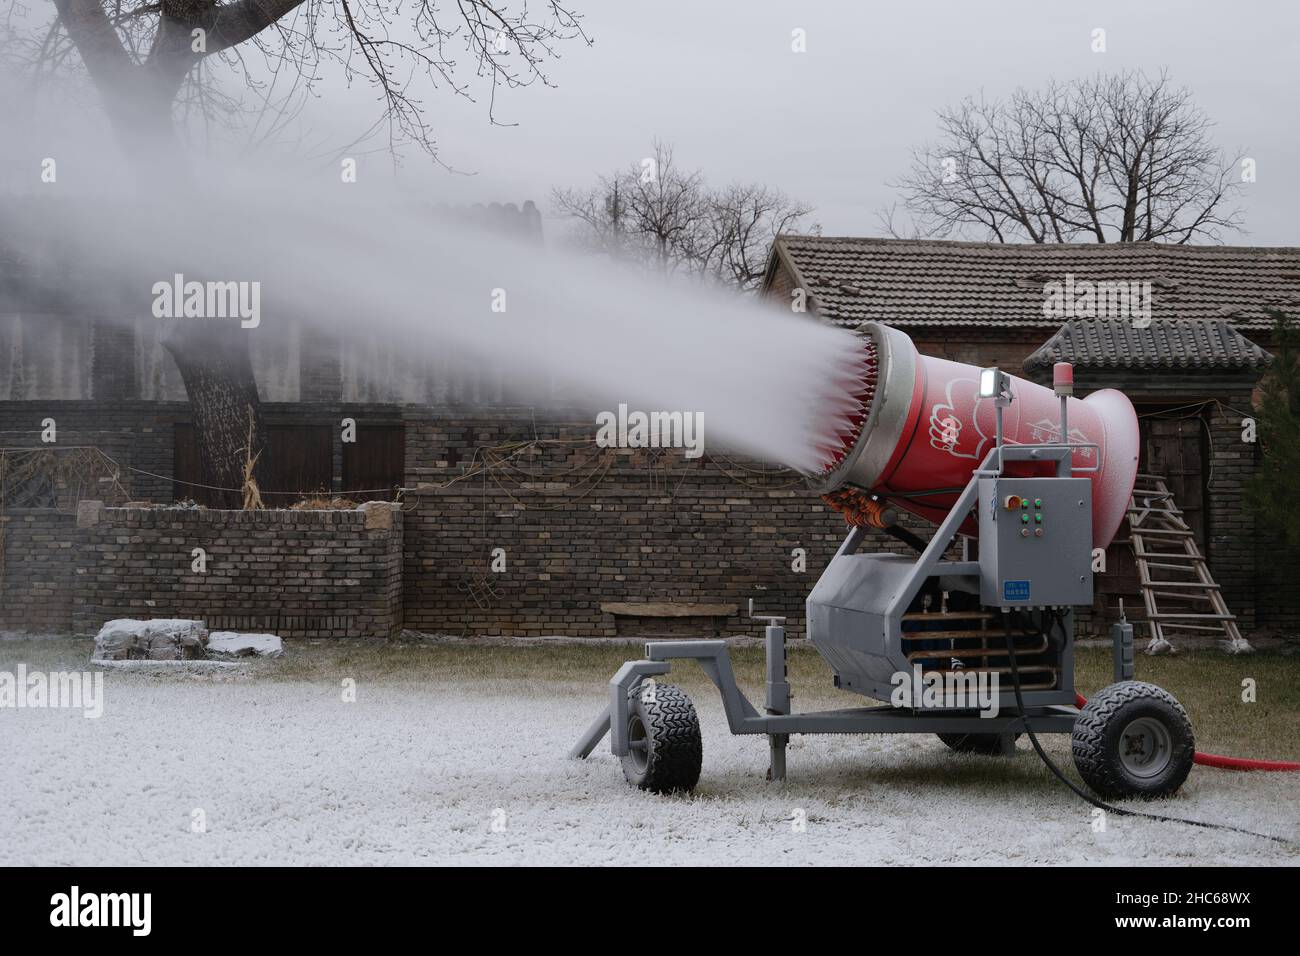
x=833, y=125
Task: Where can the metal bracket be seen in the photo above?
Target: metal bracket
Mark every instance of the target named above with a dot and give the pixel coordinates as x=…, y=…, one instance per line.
x=716, y=662
x=1121, y=635
x=629, y=675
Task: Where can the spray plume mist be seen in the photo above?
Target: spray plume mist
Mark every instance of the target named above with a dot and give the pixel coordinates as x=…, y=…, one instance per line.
x=780, y=386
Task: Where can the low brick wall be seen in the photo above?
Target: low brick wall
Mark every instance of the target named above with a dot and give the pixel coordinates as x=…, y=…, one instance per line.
x=568, y=555
x=292, y=573
x=38, y=556
x=582, y=528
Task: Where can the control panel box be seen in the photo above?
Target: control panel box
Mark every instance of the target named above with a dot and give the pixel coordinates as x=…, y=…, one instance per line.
x=1035, y=546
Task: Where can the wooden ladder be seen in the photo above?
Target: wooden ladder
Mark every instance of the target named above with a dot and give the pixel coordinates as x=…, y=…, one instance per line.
x=1181, y=595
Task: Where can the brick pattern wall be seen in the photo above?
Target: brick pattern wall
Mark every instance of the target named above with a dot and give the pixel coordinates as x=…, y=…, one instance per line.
x=113, y=366
x=38, y=554
x=293, y=573
x=1005, y=348
x=320, y=373
x=1231, y=526
x=582, y=526
x=134, y=434
x=1274, y=594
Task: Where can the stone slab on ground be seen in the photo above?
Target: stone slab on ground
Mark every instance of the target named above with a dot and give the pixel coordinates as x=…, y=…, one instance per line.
x=235, y=644
x=167, y=666
x=160, y=639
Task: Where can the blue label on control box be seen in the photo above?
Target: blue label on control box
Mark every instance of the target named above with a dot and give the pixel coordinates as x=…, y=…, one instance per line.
x=1015, y=590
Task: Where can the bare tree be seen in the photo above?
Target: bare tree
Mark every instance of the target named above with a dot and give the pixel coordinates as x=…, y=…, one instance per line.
x=664, y=216
x=646, y=212
x=1116, y=158
x=149, y=57
x=599, y=214
x=664, y=203
x=742, y=222
x=151, y=63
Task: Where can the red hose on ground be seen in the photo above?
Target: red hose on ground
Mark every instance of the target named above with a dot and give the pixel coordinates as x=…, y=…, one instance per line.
x=1220, y=762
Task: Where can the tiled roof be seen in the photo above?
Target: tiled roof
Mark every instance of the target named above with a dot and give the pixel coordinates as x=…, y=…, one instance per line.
x=916, y=282
x=1180, y=344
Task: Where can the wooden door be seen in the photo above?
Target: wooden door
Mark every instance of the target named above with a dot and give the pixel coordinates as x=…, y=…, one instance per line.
x=299, y=462
x=374, y=466
x=1176, y=446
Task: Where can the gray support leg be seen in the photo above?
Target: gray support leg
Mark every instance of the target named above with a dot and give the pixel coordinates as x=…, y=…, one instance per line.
x=776, y=749
x=613, y=719
x=776, y=700
x=1121, y=635
x=593, y=735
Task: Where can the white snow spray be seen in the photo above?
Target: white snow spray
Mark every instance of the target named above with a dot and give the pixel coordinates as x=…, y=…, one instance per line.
x=371, y=261
x=768, y=381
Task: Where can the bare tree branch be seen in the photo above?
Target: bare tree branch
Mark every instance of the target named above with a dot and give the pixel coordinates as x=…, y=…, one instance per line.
x=668, y=218
x=232, y=23
x=146, y=54
x=1110, y=159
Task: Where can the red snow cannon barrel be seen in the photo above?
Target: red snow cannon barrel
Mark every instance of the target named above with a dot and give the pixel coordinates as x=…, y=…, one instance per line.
x=911, y=429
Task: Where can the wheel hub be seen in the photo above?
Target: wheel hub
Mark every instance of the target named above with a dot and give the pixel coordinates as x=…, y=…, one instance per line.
x=1145, y=749
x=638, y=746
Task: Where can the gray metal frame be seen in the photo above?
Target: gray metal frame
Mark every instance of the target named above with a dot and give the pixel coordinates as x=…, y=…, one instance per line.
x=1045, y=712
x=932, y=563
x=743, y=718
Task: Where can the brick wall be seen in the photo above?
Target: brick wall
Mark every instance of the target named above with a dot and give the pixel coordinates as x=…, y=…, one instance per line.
x=113, y=366
x=293, y=573
x=1005, y=348
x=582, y=526
x=1274, y=592
x=133, y=434
x=1231, y=526
x=139, y=435
x=320, y=372
x=38, y=555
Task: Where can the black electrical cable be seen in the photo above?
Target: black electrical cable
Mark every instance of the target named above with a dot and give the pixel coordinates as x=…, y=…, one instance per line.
x=1083, y=794
x=913, y=541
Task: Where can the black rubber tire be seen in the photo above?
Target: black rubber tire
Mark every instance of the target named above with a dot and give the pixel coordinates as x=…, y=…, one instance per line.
x=670, y=728
x=990, y=745
x=1099, y=735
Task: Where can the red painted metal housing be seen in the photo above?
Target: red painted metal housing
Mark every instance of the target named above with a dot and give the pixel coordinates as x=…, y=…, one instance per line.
x=924, y=428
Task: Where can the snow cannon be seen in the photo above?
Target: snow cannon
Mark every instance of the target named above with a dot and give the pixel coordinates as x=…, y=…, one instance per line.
x=971, y=638
x=910, y=429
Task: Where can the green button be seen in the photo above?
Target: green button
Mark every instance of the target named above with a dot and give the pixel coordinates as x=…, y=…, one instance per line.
x=1025, y=519
x=1038, y=518
x=1038, y=502
x=1025, y=503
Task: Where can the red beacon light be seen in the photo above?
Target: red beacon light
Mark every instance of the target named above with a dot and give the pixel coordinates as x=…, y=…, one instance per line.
x=1063, y=378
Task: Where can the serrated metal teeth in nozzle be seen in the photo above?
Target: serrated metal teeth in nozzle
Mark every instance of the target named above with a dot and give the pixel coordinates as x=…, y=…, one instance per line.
x=846, y=404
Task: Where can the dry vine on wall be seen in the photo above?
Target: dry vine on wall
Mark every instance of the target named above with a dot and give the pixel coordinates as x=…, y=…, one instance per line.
x=55, y=479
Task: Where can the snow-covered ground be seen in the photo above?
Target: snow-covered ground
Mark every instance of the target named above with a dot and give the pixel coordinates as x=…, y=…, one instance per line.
x=473, y=771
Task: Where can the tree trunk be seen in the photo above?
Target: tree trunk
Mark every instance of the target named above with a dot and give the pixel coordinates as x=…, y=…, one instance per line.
x=214, y=364
x=212, y=356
